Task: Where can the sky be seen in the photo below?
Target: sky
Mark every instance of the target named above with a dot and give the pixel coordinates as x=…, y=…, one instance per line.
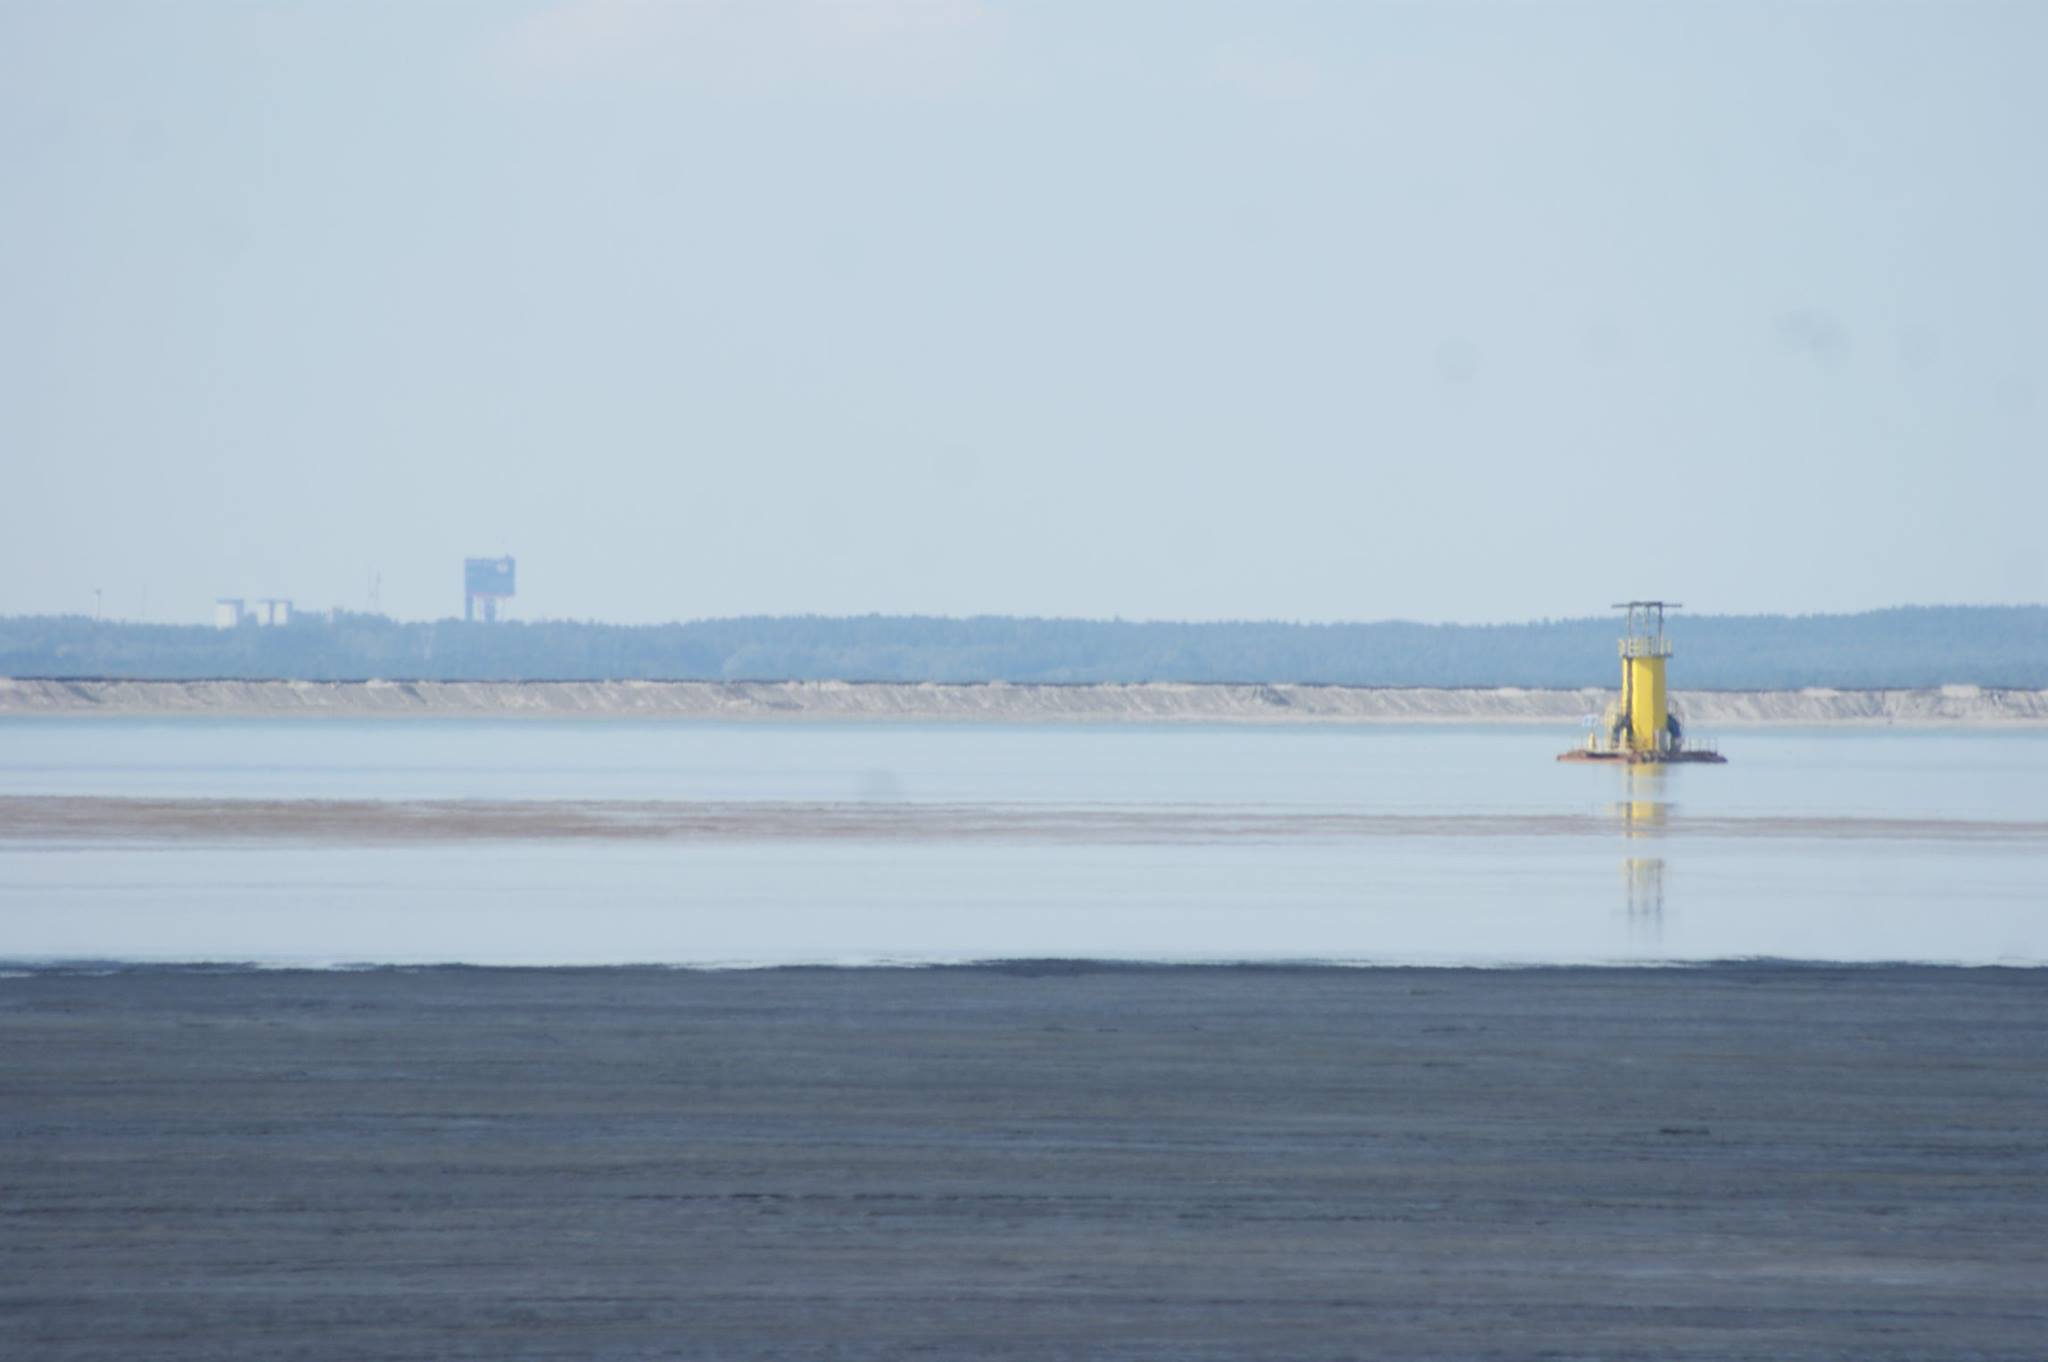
x=1154, y=310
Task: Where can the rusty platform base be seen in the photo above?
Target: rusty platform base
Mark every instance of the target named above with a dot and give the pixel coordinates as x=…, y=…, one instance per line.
x=1644, y=758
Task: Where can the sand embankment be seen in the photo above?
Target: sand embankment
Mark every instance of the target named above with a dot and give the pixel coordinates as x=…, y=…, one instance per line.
x=1148, y=702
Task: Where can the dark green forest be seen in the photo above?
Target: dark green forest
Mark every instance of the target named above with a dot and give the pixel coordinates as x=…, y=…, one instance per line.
x=1915, y=646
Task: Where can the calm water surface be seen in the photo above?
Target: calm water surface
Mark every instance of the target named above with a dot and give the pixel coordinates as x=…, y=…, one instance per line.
x=1634, y=884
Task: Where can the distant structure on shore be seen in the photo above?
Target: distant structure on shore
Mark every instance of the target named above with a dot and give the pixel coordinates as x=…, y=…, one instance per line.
x=232, y=612
x=1641, y=728
x=486, y=580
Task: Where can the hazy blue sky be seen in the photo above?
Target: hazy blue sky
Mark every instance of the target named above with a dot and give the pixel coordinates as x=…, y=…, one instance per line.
x=1309, y=311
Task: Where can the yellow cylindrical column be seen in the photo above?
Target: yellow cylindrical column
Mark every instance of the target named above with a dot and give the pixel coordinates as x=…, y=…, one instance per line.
x=1648, y=709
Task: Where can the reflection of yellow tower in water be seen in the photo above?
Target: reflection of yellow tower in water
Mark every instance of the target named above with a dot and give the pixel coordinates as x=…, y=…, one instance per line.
x=1644, y=812
x=1645, y=875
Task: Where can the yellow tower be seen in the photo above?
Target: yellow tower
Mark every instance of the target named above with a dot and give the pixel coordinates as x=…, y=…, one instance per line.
x=1645, y=708
x=1641, y=727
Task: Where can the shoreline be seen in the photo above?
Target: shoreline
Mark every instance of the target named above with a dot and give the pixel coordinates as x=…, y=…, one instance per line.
x=1940, y=707
x=1749, y=968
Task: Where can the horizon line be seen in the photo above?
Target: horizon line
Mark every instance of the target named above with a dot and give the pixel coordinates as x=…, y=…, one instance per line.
x=330, y=613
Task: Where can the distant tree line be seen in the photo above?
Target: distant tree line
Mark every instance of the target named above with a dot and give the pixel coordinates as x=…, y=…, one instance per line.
x=1916, y=646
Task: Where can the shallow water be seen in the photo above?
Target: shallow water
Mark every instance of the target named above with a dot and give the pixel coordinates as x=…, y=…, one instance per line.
x=1839, y=845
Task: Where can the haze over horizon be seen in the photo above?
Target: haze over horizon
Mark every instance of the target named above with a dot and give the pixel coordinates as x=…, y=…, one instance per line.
x=1319, y=312
x=305, y=609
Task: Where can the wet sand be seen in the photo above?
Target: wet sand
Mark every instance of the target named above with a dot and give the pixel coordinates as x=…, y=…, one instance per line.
x=1025, y=1162
x=90, y=818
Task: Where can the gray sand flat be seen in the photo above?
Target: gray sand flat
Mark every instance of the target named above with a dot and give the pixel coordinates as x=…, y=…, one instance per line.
x=1742, y=1161
x=52, y=819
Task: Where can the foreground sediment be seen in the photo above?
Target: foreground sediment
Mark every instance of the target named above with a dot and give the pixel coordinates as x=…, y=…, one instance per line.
x=1025, y=1162
x=1149, y=702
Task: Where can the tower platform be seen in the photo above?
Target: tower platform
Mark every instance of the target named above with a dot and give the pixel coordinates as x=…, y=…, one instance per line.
x=1626, y=757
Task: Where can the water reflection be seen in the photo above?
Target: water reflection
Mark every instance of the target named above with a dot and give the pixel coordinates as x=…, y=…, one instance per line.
x=1644, y=877
x=1443, y=850
x=1645, y=811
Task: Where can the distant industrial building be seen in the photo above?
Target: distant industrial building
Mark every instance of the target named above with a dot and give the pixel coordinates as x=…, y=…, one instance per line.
x=232, y=612
x=486, y=581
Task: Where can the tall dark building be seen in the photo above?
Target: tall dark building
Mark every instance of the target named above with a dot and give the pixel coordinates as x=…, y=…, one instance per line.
x=488, y=580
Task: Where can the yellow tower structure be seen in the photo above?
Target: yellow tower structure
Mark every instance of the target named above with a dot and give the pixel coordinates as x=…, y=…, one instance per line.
x=1645, y=705
x=1641, y=727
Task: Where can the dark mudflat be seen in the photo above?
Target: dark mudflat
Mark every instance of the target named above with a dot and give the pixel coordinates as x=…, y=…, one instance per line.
x=1034, y=1162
